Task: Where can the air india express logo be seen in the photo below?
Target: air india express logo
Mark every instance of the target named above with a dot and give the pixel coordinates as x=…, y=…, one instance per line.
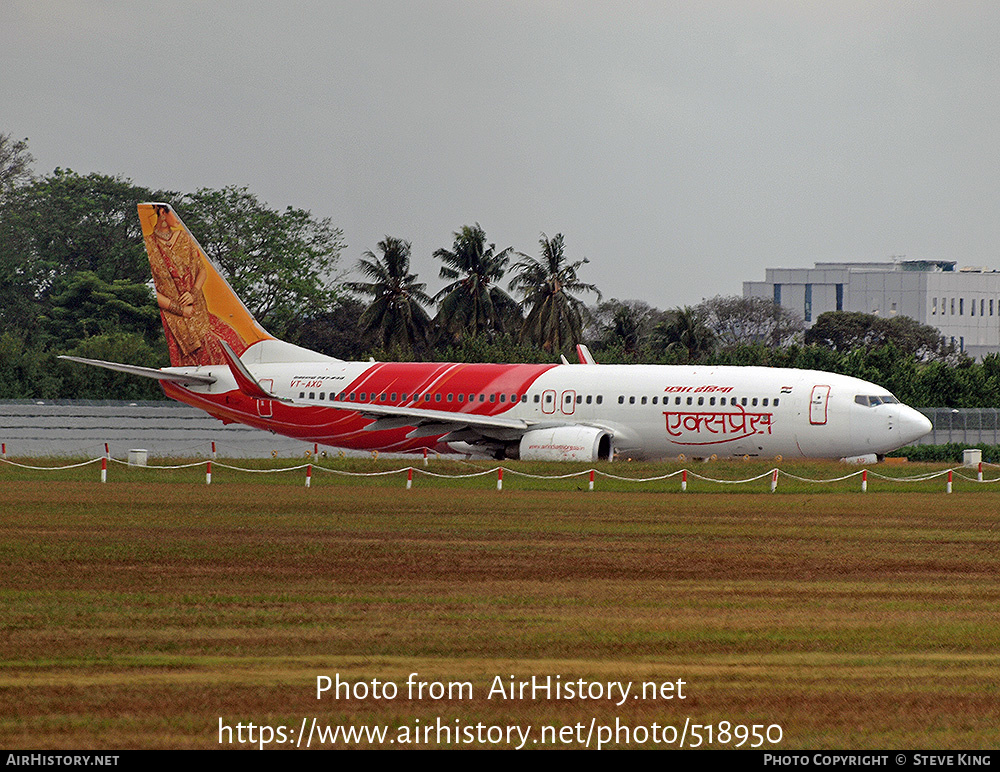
x=715, y=426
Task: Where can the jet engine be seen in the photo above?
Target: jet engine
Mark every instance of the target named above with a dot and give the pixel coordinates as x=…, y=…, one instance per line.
x=565, y=443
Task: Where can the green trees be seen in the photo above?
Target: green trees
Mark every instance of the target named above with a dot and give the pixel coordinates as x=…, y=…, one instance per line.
x=74, y=274
x=555, y=317
x=848, y=330
x=739, y=321
x=473, y=304
x=281, y=264
x=685, y=333
x=15, y=164
x=54, y=227
x=397, y=309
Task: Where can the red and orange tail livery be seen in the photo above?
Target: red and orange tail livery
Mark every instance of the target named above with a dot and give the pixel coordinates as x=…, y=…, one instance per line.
x=198, y=307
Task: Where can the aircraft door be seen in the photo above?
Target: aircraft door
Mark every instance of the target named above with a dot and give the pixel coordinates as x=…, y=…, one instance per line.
x=264, y=405
x=567, y=402
x=549, y=401
x=818, y=405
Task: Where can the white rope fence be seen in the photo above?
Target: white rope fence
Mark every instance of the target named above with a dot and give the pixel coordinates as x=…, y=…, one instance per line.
x=775, y=474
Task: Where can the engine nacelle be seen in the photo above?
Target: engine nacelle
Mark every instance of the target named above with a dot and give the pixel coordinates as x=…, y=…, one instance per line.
x=566, y=443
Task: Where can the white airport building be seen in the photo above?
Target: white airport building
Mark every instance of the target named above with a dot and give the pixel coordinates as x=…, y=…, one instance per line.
x=963, y=303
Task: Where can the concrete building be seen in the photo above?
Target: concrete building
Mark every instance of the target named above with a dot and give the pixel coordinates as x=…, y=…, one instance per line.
x=964, y=304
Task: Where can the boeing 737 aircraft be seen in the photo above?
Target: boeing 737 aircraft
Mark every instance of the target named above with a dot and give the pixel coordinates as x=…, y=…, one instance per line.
x=223, y=362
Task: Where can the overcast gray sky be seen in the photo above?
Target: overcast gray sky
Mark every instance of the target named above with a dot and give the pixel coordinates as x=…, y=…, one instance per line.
x=681, y=146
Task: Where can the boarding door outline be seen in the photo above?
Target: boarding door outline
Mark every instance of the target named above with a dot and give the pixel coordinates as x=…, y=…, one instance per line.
x=567, y=402
x=549, y=401
x=818, y=402
x=264, y=405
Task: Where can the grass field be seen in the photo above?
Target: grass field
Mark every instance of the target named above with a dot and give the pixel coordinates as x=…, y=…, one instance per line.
x=140, y=613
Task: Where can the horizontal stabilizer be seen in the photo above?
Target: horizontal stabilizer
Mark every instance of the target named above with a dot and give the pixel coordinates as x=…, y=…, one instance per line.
x=146, y=372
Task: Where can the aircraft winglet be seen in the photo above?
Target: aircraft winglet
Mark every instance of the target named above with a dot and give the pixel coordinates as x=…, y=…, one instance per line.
x=586, y=358
x=244, y=380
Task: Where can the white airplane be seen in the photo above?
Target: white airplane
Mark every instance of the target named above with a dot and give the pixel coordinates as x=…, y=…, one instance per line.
x=223, y=362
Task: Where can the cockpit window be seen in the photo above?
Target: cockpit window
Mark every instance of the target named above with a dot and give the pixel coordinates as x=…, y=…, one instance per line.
x=871, y=400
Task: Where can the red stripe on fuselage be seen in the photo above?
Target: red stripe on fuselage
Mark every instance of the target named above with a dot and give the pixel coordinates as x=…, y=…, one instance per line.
x=417, y=379
x=344, y=427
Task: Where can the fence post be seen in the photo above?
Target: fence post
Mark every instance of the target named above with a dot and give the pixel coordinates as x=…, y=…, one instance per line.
x=684, y=480
x=208, y=473
x=309, y=475
x=864, y=480
x=774, y=480
x=104, y=469
x=948, y=488
x=591, y=485
x=500, y=478
x=979, y=474
x=409, y=477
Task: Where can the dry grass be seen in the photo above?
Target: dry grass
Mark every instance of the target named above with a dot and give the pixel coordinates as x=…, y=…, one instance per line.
x=137, y=614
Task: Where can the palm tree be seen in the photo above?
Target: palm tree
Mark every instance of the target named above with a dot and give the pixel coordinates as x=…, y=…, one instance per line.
x=684, y=331
x=555, y=318
x=397, y=310
x=474, y=303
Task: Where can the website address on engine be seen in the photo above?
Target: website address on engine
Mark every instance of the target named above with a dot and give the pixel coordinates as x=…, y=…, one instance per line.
x=314, y=733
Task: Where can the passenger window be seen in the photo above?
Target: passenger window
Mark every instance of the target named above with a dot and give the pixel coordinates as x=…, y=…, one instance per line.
x=775, y=401
x=600, y=399
x=701, y=400
x=493, y=397
x=644, y=400
x=631, y=400
x=621, y=400
x=503, y=397
x=322, y=394
x=437, y=397
x=690, y=400
x=302, y=395
x=536, y=400
x=754, y=402
x=450, y=396
x=312, y=395
x=589, y=398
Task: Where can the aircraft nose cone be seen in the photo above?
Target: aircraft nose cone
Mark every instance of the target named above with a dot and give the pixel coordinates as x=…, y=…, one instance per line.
x=913, y=425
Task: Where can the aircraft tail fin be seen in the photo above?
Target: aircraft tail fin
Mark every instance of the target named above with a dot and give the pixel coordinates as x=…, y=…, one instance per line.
x=198, y=307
